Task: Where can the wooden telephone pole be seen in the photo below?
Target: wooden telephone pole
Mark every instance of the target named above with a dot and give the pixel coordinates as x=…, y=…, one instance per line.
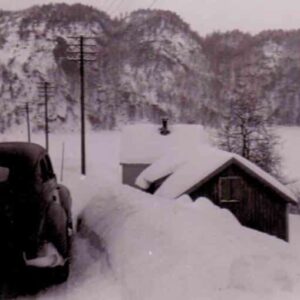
x=81, y=52
x=46, y=91
x=26, y=109
x=28, y=121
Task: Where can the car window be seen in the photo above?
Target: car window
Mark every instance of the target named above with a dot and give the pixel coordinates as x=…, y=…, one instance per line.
x=44, y=172
x=46, y=168
x=4, y=173
x=49, y=166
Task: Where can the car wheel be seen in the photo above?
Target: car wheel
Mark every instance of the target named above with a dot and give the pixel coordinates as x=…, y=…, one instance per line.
x=61, y=273
x=58, y=231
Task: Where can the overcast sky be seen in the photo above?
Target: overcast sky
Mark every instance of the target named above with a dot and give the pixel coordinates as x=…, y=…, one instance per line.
x=204, y=16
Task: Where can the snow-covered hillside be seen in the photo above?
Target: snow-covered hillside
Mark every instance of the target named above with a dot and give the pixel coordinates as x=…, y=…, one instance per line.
x=147, y=65
x=136, y=74
x=154, y=248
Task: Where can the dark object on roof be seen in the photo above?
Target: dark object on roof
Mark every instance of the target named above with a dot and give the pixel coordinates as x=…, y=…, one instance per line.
x=164, y=130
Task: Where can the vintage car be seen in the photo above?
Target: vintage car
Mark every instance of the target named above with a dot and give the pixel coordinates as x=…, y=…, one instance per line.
x=35, y=212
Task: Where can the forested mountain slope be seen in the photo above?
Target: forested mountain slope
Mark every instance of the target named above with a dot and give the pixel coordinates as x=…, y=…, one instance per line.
x=148, y=64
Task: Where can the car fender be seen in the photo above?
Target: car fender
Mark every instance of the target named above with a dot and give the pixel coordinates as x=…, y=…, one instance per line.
x=65, y=200
x=55, y=229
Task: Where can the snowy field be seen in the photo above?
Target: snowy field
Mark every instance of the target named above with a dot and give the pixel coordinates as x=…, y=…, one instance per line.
x=139, y=247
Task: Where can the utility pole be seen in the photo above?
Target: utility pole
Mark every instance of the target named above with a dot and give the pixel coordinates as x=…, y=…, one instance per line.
x=28, y=121
x=81, y=52
x=27, y=112
x=46, y=91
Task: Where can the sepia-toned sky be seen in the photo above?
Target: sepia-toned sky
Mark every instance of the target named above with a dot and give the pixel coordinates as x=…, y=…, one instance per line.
x=204, y=16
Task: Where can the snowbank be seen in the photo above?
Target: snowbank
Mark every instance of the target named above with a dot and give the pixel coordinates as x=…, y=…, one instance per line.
x=163, y=249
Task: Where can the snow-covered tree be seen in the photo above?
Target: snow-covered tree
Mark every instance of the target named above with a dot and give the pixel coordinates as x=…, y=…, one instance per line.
x=247, y=131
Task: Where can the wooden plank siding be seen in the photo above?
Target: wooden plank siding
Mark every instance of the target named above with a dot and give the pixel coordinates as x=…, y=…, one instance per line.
x=259, y=207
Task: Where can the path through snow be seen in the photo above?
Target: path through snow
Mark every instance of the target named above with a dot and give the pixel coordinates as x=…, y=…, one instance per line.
x=90, y=277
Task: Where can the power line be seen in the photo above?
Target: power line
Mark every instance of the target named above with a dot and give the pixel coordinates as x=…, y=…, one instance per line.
x=152, y=4
x=112, y=3
x=82, y=53
x=121, y=1
x=117, y=6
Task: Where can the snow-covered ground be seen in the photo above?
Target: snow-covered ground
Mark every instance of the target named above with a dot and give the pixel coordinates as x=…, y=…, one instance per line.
x=154, y=248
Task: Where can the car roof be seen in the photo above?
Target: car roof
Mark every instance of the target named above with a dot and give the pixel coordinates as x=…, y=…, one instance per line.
x=18, y=155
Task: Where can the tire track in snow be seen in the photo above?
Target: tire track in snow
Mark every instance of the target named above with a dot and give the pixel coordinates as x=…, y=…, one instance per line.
x=90, y=276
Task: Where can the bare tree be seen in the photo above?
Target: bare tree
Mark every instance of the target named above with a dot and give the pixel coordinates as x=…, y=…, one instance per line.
x=247, y=131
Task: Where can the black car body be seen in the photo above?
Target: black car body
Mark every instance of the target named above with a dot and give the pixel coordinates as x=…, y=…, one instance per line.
x=35, y=211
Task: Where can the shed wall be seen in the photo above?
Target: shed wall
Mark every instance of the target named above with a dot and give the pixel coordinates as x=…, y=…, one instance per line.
x=259, y=207
x=131, y=171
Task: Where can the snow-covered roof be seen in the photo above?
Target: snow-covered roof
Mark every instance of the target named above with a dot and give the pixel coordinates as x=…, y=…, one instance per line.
x=195, y=167
x=143, y=143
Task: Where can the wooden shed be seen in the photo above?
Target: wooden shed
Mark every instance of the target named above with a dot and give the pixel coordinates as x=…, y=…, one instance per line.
x=257, y=199
x=143, y=144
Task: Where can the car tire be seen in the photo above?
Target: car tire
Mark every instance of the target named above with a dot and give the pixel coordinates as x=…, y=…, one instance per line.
x=58, y=232
x=61, y=274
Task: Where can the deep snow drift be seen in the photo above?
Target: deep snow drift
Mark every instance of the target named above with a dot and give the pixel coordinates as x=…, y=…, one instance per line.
x=179, y=249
